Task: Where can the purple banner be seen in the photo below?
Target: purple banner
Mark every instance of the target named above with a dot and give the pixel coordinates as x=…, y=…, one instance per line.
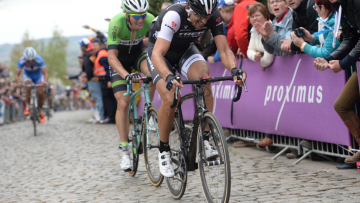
x=290, y=98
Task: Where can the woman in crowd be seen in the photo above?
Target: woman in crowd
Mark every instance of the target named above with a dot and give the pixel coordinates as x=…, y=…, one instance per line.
x=258, y=13
x=323, y=37
x=280, y=29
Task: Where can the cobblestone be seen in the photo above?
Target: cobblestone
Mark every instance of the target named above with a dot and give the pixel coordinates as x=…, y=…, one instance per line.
x=72, y=161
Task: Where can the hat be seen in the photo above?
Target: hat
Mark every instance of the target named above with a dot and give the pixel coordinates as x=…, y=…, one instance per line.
x=90, y=47
x=84, y=41
x=223, y=3
x=97, y=40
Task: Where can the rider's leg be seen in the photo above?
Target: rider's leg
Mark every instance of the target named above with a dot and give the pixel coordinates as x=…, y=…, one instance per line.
x=41, y=95
x=28, y=92
x=122, y=117
x=144, y=69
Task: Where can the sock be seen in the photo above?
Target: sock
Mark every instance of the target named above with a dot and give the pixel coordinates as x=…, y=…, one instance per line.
x=164, y=146
x=27, y=105
x=206, y=135
x=124, y=146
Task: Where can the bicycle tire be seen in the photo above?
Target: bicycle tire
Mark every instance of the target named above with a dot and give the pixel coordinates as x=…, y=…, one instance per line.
x=180, y=178
x=151, y=154
x=134, y=155
x=210, y=180
x=33, y=114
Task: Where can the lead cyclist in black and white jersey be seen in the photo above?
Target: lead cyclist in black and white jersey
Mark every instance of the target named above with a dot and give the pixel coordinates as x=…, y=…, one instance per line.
x=171, y=45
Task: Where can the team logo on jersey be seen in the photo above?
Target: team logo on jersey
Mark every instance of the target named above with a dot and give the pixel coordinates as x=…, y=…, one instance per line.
x=185, y=26
x=191, y=34
x=218, y=19
x=209, y=12
x=140, y=35
x=173, y=24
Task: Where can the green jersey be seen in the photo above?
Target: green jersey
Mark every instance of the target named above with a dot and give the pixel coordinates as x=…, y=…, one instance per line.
x=120, y=34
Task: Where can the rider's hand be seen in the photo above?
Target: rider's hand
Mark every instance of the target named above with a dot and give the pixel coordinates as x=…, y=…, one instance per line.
x=235, y=73
x=136, y=77
x=171, y=81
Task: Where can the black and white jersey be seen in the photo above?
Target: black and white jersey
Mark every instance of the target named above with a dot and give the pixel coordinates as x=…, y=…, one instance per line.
x=172, y=25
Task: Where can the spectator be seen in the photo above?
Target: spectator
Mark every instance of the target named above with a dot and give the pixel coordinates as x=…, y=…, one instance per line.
x=242, y=25
x=274, y=34
x=99, y=34
x=226, y=9
x=93, y=82
x=165, y=5
x=102, y=71
x=258, y=13
x=341, y=59
x=303, y=16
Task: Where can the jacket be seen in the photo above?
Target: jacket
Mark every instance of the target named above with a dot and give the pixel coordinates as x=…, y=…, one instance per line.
x=327, y=48
x=349, y=50
x=242, y=24
x=282, y=31
x=255, y=45
x=99, y=69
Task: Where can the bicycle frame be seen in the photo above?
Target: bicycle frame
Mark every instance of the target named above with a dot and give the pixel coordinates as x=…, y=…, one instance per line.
x=133, y=108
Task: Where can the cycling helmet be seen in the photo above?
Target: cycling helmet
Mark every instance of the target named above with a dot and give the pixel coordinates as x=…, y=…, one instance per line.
x=203, y=7
x=29, y=53
x=136, y=6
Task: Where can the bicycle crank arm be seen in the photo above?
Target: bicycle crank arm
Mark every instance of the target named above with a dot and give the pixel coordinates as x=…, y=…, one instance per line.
x=152, y=146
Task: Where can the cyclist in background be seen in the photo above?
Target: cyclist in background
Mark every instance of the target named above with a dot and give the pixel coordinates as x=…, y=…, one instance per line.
x=171, y=45
x=34, y=72
x=126, y=51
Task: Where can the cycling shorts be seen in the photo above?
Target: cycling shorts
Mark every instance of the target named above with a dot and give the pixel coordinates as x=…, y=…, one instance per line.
x=36, y=79
x=180, y=60
x=129, y=62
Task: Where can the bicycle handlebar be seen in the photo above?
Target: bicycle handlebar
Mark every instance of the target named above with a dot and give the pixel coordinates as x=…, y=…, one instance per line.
x=205, y=80
x=129, y=82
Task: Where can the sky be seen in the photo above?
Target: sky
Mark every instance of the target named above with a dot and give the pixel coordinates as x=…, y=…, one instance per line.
x=40, y=17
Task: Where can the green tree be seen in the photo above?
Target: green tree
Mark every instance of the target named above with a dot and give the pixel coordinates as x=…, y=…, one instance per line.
x=155, y=6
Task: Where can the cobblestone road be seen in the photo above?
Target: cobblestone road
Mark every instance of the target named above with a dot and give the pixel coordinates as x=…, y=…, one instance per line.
x=72, y=161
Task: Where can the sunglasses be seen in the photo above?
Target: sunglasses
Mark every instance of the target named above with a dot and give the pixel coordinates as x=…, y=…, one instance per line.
x=138, y=16
x=201, y=16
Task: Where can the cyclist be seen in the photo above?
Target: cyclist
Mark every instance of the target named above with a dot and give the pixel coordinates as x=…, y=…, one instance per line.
x=127, y=51
x=34, y=72
x=171, y=45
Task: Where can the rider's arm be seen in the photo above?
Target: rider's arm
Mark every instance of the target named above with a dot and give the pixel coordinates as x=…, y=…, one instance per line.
x=113, y=43
x=226, y=55
x=163, y=42
x=45, y=73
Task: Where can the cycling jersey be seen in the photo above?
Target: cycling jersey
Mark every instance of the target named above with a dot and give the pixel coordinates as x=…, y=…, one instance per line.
x=131, y=51
x=34, y=73
x=173, y=25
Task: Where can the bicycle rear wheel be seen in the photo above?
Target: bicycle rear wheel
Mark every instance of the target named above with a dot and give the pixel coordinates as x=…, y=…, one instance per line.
x=133, y=145
x=33, y=114
x=177, y=184
x=215, y=173
x=151, y=148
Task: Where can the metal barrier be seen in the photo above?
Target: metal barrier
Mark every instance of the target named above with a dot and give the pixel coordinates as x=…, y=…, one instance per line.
x=13, y=111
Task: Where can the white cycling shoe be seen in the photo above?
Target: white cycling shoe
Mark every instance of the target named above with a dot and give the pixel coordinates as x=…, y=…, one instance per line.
x=165, y=165
x=126, y=163
x=210, y=151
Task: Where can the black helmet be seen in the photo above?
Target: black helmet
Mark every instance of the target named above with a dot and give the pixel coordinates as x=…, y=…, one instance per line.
x=203, y=7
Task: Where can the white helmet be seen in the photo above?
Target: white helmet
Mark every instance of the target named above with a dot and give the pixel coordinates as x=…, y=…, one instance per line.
x=68, y=88
x=29, y=53
x=136, y=6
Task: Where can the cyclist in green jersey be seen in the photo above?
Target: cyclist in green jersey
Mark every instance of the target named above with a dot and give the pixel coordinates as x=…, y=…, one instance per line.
x=126, y=51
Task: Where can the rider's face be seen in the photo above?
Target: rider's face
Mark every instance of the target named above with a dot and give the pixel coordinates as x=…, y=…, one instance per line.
x=198, y=21
x=31, y=63
x=137, y=20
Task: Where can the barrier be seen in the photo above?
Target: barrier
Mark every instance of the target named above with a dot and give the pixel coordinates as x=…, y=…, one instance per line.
x=11, y=112
x=291, y=100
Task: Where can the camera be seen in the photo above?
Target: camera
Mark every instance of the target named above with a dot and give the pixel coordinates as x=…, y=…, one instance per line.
x=299, y=32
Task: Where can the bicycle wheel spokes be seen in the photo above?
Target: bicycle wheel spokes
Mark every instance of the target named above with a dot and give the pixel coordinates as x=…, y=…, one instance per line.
x=215, y=172
x=177, y=184
x=151, y=143
x=133, y=144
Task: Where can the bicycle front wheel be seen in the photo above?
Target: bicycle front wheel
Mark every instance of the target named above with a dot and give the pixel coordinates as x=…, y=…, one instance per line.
x=33, y=114
x=215, y=172
x=151, y=144
x=177, y=184
x=133, y=145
